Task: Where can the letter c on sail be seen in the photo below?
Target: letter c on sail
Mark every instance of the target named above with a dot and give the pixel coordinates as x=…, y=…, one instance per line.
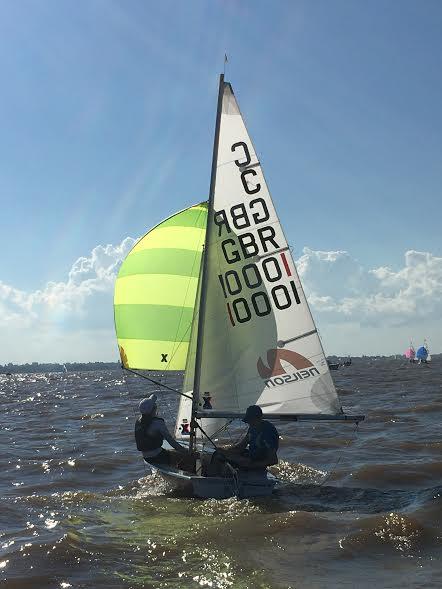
x=275, y=368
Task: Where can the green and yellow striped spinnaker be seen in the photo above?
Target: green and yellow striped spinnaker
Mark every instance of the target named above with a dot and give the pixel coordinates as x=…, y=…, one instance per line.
x=155, y=292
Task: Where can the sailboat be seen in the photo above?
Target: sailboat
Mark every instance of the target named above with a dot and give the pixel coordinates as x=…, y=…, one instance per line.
x=213, y=290
x=423, y=353
x=428, y=351
x=410, y=353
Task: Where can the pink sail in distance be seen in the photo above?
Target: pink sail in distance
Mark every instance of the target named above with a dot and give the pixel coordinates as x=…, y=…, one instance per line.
x=410, y=353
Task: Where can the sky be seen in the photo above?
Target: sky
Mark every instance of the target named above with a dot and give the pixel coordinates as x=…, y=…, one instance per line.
x=107, y=112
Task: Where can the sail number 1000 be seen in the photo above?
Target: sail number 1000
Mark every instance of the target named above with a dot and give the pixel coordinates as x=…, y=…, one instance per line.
x=232, y=285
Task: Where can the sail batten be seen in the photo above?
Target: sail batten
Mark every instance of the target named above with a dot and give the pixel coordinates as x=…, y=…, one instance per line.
x=282, y=343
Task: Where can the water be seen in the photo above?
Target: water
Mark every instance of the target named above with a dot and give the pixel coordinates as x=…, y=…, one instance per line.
x=79, y=509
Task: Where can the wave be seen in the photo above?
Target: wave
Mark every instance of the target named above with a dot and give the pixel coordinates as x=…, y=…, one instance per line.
x=297, y=473
x=429, y=446
x=406, y=474
x=392, y=532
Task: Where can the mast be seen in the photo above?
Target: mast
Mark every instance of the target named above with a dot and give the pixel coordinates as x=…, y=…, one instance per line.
x=204, y=275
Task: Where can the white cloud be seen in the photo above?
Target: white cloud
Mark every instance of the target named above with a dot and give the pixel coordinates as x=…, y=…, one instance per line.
x=45, y=324
x=13, y=305
x=340, y=289
x=73, y=320
x=87, y=277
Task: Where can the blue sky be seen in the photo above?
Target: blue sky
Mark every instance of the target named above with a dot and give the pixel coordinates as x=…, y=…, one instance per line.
x=107, y=114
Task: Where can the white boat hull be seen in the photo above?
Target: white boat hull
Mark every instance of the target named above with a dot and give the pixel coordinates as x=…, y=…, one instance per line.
x=245, y=485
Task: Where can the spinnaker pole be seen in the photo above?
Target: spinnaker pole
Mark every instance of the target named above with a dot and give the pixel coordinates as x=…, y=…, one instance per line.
x=204, y=271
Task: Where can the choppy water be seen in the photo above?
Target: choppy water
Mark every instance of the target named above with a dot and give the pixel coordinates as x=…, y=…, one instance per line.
x=79, y=509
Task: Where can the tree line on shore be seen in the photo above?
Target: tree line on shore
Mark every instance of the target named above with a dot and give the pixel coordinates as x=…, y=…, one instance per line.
x=35, y=367
x=55, y=367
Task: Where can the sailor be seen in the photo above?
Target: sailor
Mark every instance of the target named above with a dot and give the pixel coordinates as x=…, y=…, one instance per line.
x=257, y=449
x=150, y=433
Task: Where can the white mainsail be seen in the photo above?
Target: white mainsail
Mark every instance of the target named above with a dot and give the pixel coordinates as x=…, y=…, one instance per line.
x=259, y=344
x=428, y=350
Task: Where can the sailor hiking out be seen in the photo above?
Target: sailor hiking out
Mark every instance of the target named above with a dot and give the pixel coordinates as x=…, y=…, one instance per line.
x=150, y=433
x=255, y=451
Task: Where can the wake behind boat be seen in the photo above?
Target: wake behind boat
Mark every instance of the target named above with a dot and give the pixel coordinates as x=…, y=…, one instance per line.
x=214, y=290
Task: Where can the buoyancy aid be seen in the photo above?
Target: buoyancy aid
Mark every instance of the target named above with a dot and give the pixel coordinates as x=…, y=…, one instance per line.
x=262, y=440
x=145, y=439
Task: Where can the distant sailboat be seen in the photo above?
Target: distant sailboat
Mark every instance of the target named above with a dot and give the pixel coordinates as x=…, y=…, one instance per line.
x=428, y=350
x=214, y=290
x=423, y=354
x=410, y=353
x=333, y=365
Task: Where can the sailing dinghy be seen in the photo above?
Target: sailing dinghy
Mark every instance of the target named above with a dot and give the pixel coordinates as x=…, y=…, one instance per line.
x=213, y=290
x=410, y=353
x=423, y=354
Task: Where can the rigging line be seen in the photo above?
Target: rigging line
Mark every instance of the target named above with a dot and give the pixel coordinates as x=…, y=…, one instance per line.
x=238, y=437
x=217, y=432
x=349, y=441
x=204, y=434
x=133, y=408
x=176, y=349
x=166, y=405
x=164, y=379
x=157, y=382
x=223, y=427
x=226, y=163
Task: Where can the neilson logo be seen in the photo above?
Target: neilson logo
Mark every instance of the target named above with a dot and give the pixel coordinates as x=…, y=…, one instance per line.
x=275, y=368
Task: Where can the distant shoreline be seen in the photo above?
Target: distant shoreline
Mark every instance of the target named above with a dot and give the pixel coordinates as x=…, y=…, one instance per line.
x=36, y=367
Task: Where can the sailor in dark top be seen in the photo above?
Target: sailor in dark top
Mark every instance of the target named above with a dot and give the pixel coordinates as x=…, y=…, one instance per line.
x=257, y=450
x=150, y=433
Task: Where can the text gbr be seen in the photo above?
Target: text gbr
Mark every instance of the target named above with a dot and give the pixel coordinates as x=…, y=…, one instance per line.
x=239, y=248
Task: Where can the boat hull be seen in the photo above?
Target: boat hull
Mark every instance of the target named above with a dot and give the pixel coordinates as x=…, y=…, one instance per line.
x=244, y=485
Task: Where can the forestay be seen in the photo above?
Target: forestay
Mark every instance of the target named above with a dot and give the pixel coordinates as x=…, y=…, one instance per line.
x=259, y=343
